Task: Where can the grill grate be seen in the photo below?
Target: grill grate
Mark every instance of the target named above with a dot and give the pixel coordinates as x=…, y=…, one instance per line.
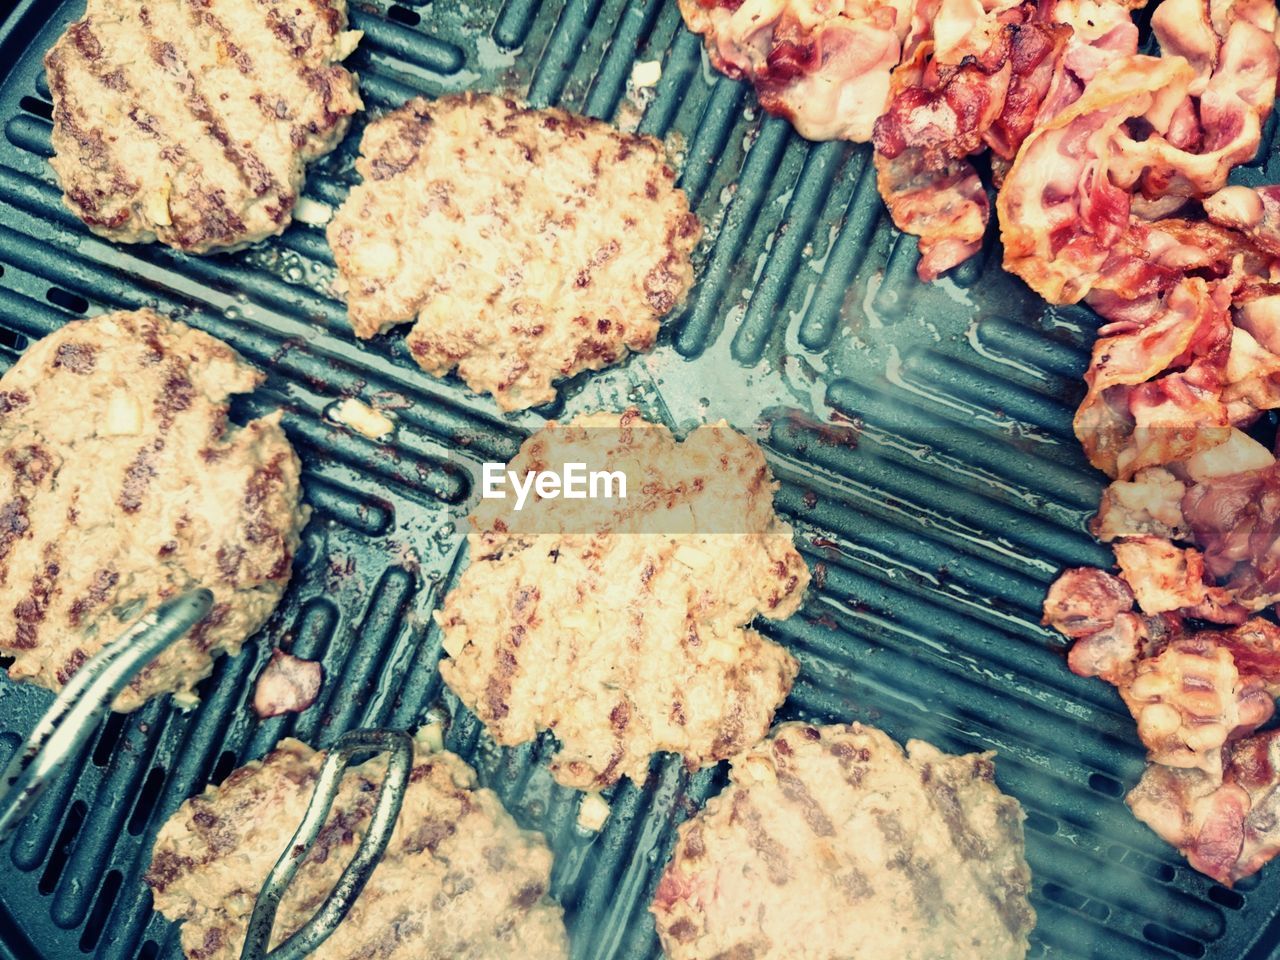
x=922, y=437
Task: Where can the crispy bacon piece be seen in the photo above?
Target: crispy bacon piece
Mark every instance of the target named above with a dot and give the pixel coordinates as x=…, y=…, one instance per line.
x=1227, y=829
x=825, y=67
x=1095, y=609
x=287, y=684
x=1167, y=578
x=942, y=202
x=946, y=207
x=1203, y=689
x=1160, y=126
x=1233, y=53
x=954, y=106
x=1236, y=520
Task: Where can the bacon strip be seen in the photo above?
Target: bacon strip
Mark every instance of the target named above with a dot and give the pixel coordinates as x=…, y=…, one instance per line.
x=1227, y=830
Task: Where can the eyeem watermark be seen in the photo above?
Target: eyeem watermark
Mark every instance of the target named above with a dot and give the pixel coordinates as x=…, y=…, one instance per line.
x=574, y=482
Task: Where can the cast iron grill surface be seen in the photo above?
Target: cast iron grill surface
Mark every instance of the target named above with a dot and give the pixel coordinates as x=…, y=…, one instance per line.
x=922, y=437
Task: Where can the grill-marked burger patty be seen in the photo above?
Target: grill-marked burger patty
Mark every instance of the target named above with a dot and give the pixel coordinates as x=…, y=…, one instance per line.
x=459, y=878
x=121, y=484
x=528, y=245
x=191, y=122
x=830, y=843
x=628, y=643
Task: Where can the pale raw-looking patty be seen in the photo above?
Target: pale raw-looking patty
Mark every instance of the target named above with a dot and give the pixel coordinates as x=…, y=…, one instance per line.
x=625, y=644
x=121, y=484
x=830, y=843
x=528, y=245
x=459, y=878
x=191, y=122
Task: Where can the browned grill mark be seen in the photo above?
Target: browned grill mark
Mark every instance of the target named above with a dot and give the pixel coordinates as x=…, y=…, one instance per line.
x=31, y=463
x=944, y=799
x=229, y=558
x=103, y=582
x=340, y=830
x=92, y=144
x=137, y=476
x=14, y=524
x=430, y=835
x=321, y=82
x=499, y=685
x=199, y=636
x=166, y=867
x=795, y=790
x=73, y=663
x=770, y=851
x=32, y=609
x=11, y=400
x=211, y=944
x=683, y=930
x=201, y=16
x=620, y=717
x=177, y=396
x=608, y=774
x=76, y=356
x=251, y=171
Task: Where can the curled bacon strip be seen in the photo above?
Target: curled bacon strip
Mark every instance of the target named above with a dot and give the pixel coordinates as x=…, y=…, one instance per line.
x=824, y=69
x=1154, y=387
x=1064, y=219
x=946, y=207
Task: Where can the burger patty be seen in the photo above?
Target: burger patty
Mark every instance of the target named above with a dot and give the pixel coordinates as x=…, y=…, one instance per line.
x=528, y=244
x=122, y=483
x=633, y=639
x=830, y=842
x=191, y=122
x=459, y=878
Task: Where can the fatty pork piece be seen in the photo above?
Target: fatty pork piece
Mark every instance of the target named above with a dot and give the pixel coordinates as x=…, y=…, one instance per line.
x=1191, y=693
x=525, y=245
x=192, y=123
x=831, y=843
x=122, y=483
x=1226, y=500
x=1227, y=828
x=459, y=878
x=629, y=639
x=823, y=66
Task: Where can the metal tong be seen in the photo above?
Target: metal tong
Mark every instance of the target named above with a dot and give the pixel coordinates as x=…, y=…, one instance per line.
x=399, y=746
x=78, y=711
